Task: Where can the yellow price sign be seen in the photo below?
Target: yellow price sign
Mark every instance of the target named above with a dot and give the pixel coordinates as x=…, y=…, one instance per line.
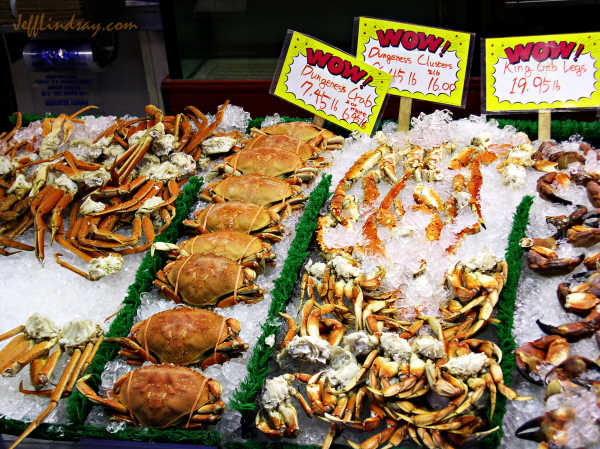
x=425, y=63
x=330, y=83
x=542, y=72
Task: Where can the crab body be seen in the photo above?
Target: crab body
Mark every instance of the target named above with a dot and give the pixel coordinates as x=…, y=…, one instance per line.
x=267, y=161
x=162, y=396
x=184, y=336
x=263, y=190
x=305, y=132
x=207, y=280
x=237, y=216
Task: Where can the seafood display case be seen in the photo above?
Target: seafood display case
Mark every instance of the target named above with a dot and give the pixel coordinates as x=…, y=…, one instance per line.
x=219, y=270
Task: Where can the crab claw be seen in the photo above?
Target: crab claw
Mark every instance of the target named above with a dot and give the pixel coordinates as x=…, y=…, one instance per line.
x=570, y=331
x=531, y=430
x=577, y=369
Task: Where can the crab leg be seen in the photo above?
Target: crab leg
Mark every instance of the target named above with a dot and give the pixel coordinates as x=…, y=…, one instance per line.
x=41, y=369
x=54, y=398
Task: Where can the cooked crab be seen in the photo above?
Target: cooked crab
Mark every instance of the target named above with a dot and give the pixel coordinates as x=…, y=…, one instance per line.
x=542, y=257
x=249, y=250
x=161, y=396
x=316, y=136
x=266, y=161
x=183, y=336
x=263, y=190
x=207, y=280
x=535, y=358
x=238, y=216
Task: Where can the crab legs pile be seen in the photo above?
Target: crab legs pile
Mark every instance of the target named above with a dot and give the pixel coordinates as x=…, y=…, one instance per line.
x=40, y=343
x=127, y=176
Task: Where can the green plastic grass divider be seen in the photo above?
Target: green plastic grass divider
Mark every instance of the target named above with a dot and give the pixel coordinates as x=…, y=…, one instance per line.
x=78, y=406
x=560, y=129
x=258, y=365
x=505, y=313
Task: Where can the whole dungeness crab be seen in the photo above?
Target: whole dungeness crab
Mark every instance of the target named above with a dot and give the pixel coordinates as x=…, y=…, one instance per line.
x=207, y=280
x=183, y=336
x=162, y=396
x=266, y=191
x=238, y=216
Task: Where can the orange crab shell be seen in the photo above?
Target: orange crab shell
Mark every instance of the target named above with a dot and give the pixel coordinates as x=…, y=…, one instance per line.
x=202, y=280
x=162, y=396
x=282, y=142
x=265, y=161
x=305, y=131
x=258, y=189
x=183, y=335
x=232, y=215
x=233, y=245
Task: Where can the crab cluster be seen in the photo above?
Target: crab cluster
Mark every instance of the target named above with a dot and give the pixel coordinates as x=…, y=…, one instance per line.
x=362, y=367
x=127, y=176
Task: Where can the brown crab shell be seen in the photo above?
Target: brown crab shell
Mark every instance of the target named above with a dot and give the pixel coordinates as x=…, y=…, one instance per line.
x=231, y=244
x=258, y=189
x=234, y=216
x=282, y=142
x=266, y=161
x=204, y=279
x=162, y=395
x=183, y=335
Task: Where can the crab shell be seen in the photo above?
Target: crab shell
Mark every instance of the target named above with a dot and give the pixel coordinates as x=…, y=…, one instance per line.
x=306, y=132
x=265, y=161
x=204, y=280
x=282, y=142
x=237, y=246
x=232, y=216
x=164, y=395
x=258, y=189
x=185, y=336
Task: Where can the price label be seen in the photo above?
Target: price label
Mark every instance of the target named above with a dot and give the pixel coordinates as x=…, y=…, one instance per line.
x=542, y=72
x=330, y=83
x=425, y=63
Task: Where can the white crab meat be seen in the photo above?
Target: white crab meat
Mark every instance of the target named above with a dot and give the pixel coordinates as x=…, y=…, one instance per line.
x=103, y=266
x=277, y=391
x=135, y=137
x=359, y=343
x=104, y=143
x=38, y=327
x=309, y=349
x=350, y=208
x=6, y=165
x=20, y=186
x=89, y=206
x=96, y=178
x=150, y=205
x=344, y=367
x=467, y=365
x=49, y=145
x=65, y=183
x=315, y=269
x=184, y=162
x=482, y=140
x=428, y=346
x=163, y=145
x=217, y=145
x=403, y=230
x=462, y=200
x=426, y=195
x=113, y=151
x=484, y=261
x=77, y=333
x=344, y=268
x=514, y=174
x=394, y=347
